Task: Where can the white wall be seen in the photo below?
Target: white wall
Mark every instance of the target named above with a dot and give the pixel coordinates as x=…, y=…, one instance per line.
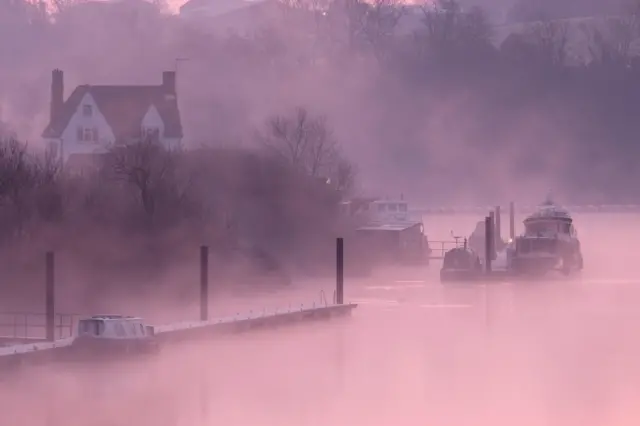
x=69, y=141
x=69, y=144
x=152, y=119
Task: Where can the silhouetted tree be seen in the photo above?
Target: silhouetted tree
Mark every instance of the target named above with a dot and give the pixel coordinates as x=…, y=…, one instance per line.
x=610, y=46
x=154, y=173
x=304, y=141
x=381, y=20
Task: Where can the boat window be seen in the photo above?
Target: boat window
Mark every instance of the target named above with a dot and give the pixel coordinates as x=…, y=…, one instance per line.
x=119, y=330
x=540, y=227
x=141, y=327
x=402, y=207
x=566, y=228
x=94, y=327
x=381, y=207
x=393, y=207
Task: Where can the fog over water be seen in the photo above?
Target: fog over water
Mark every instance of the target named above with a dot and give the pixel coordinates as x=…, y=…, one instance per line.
x=280, y=113
x=414, y=352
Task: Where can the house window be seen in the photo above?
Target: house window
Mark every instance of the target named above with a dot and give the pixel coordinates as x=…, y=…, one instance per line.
x=120, y=332
x=152, y=133
x=87, y=110
x=87, y=134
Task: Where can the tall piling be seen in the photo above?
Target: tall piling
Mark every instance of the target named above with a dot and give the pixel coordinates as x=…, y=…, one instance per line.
x=492, y=215
x=340, y=271
x=497, y=231
x=204, y=283
x=50, y=302
x=512, y=220
x=488, y=243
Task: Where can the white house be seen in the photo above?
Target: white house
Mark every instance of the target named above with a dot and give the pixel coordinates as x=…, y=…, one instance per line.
x=95, y=118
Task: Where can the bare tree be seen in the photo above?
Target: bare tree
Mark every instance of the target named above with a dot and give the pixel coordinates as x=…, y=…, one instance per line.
x=475, y=28
x=382, y=18
x=611, y=45
x=440, y=20
x=60, y=6
x=305, y=142
x=17, y=179
x=348, y=19
x=550, y=40
x=153, y=172
x=345, y=176
x=451, y=32
x=49, y=194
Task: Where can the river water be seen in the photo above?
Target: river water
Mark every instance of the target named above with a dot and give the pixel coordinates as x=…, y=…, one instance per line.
x=562, y=352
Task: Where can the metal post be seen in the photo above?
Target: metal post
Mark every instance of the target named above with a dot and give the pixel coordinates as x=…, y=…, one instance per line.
x=204, y=283
x=512, y=220
x=340, y=271
x=492, y=215
x=50, y=310
x=498, y=228
x=488, y=236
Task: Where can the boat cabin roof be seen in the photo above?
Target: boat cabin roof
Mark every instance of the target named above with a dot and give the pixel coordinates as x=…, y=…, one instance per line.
x=549, y=211
x=377, y=205
x=387, y=206
x=385, y=227
x=114, y=318
x=114, y=327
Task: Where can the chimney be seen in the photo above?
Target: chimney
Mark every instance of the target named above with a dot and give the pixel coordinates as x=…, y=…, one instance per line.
x=169, y=82
x=57, y=94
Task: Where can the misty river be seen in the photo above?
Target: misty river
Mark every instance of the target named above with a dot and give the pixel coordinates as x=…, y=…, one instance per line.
x=563, y=352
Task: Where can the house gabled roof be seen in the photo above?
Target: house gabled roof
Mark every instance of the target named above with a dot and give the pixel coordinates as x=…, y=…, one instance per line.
x=124, y=107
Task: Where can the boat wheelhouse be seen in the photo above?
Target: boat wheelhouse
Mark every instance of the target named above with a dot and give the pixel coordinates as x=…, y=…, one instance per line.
x=550, y=241
x=550, y=220
x=115, y=333
x=386, y=232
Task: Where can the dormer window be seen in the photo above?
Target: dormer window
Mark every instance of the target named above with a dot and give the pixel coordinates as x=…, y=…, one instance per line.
x=87, y=134
x=152, y=133
x=87, y=110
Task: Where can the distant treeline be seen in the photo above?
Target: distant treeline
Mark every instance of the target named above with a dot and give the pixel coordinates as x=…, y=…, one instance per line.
x=435, y=105
x=142, y=210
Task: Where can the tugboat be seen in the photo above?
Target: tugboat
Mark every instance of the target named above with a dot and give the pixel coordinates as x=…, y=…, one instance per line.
x=549, y=243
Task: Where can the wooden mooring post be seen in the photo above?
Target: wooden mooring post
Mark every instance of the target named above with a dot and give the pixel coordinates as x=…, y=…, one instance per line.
x=50, y=307
x=204, y=283
x=497, y=231
x=488, y=243
x=512, y=220
x=340, y=271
